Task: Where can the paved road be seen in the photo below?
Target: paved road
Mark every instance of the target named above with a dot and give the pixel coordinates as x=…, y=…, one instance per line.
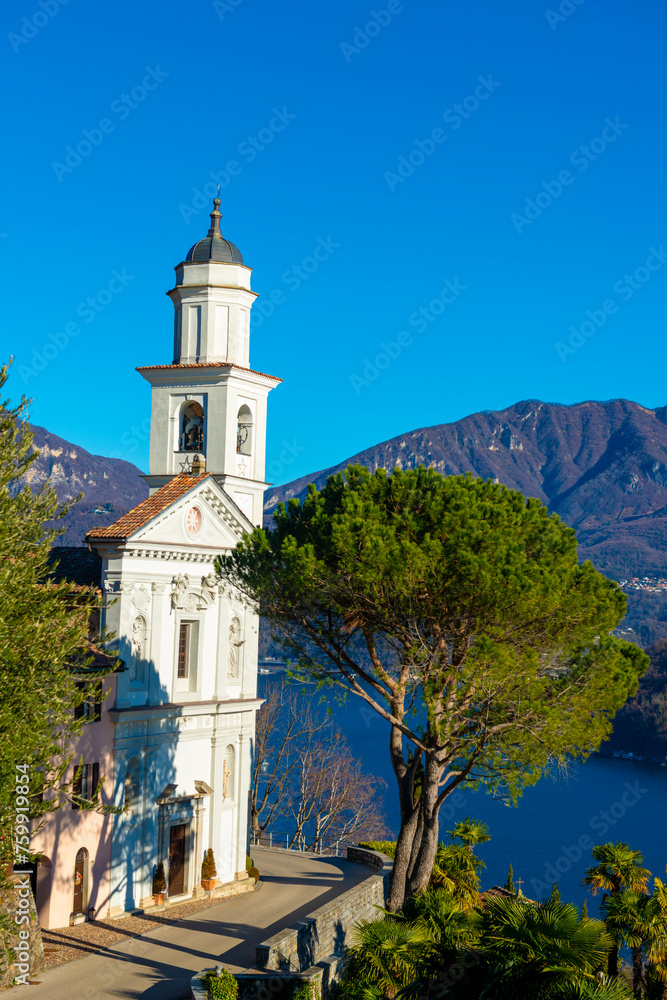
x=159, y=965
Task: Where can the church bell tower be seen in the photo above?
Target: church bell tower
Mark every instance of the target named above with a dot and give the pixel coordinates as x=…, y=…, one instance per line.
x=208, y=406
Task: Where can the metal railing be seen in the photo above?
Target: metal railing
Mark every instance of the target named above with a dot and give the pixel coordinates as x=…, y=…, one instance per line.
x=285, y=840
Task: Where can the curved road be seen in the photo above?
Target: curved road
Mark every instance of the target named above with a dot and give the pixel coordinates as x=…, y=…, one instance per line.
x=159, y=965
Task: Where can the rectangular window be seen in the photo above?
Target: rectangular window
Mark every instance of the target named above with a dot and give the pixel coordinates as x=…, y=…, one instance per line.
x=85, y=784
x=90, y=709
x=184, y=646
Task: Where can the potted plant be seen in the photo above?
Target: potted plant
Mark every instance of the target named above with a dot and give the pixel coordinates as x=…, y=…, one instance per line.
x=159, y=885
x=208, y=871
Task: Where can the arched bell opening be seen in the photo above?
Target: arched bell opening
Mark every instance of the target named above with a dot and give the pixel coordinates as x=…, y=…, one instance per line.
x=191, y=432
x=244, y=429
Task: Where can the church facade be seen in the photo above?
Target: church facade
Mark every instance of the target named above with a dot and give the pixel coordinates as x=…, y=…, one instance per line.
x=180, y=714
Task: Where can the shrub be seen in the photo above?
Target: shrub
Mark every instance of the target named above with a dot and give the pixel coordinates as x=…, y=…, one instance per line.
x=384, y=846
x=222, y=987
x=254, y=873
x=303, y=990
x=208, y=869
x=159, y=881
x=249, y=863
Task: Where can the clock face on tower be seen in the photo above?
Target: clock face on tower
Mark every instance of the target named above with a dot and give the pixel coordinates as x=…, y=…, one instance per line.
x=193, y=520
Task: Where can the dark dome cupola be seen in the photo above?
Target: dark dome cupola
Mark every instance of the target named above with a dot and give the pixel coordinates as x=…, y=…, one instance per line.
x=214, y=246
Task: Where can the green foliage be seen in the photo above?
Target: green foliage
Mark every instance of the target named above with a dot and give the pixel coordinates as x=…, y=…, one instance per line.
x=509, y=884
x=248, y=862
x=507, y=948
x=555, y=893
x=221, y=987
x=619, y=867
x=254, y=873
x=470, y=832
x=303, y=990
x=159, y=880
x=208, y=869
x=387, y=847
x=456, y=871
x=452, y=600
x=44, y=627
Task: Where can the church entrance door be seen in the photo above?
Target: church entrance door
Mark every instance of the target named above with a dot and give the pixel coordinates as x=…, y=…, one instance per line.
x=177, y=860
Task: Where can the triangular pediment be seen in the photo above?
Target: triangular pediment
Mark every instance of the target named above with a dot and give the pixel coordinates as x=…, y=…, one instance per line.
x=205, y=516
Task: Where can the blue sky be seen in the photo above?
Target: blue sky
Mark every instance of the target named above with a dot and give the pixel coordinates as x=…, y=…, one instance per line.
x=520, y=223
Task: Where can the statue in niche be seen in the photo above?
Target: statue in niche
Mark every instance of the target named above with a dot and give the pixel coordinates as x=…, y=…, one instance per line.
x=181, y=584
x=192, y=428
x=226, y=774
x=209, y=585
x=138, y=640
x=235, y=644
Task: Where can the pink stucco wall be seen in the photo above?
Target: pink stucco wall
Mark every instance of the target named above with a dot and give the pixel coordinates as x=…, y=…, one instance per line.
x=68, y=830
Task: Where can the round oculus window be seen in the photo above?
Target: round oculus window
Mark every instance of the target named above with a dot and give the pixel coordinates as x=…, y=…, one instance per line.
x=193, y=521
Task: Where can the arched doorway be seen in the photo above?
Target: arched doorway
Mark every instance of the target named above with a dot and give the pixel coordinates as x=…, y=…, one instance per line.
x=80, y=882
x=43, y=891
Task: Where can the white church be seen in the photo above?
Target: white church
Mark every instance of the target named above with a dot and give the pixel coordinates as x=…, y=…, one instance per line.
x=174, y=730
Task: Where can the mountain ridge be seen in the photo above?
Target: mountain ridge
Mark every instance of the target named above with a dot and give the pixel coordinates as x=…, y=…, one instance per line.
x=602, y=466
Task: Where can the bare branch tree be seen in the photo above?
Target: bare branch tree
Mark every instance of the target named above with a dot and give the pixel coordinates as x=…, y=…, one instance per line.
x=305, y=769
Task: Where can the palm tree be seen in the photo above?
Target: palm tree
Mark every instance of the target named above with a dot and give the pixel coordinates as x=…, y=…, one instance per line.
x=532, y=950
x=471, y=832
x=385, y=957
x=618, y=868
x=626, y=920
x=655, y=941
x=455, y=870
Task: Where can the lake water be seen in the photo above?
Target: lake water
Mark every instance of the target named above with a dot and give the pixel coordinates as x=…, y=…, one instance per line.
x=549, y=834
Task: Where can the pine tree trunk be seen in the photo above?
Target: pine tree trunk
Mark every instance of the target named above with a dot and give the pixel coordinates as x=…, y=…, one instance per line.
x=419, y=833
x=421, y=873
x=409, y=822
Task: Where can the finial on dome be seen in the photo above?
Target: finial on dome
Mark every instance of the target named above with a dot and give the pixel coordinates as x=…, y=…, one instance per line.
x=215, y=220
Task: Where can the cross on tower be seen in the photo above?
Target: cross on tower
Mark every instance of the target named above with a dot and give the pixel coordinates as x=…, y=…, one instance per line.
x=519, y=882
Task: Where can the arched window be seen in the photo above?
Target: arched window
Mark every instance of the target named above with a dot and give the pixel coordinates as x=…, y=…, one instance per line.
x=81, y=887
x=132, y=785
x=235, y=646
x=191, y=436
x=228, y=773
x=138, y=645
x=244, y=431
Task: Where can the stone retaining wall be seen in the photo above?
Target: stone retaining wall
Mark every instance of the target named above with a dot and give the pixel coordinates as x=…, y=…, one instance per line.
x=326, y=932
x=312, y=949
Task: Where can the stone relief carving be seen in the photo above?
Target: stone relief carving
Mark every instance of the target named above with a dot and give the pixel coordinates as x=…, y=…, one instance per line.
x=181, y=584
x=209, y=586
x=141, y=599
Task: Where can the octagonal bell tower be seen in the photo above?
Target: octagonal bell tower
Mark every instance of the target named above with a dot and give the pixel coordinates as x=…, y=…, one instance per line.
x=208, y=405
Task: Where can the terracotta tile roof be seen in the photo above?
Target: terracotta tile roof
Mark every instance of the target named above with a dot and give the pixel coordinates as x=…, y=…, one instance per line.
x=150, y=508
x=204, y=364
